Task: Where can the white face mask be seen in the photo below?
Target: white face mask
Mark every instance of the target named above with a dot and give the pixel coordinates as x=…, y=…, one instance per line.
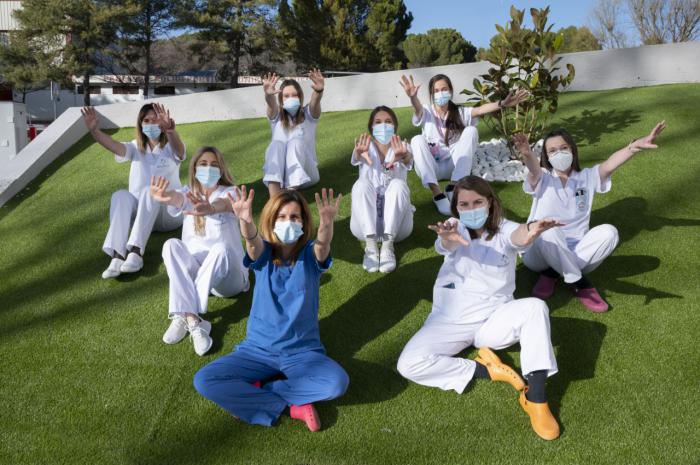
x=288, y=232
x=561, y=160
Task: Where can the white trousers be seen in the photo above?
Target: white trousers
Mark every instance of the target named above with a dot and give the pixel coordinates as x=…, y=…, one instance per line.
x=290, y=164
x=428, y=358
x=194, y=275
x=397, y=214
x=146, y=214
x=551, y=250
x=454, y=167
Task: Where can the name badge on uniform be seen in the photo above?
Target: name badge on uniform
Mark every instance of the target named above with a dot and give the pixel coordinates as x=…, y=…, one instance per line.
x=581, y=198
x=161, y=162
x=434, y=149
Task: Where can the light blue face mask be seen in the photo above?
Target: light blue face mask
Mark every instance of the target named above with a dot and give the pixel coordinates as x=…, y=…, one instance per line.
x=474, y=219
x=441, y=98
x=208, y=175
x=383, y=132
x=152, y=131
x=288, y=232
x=291, y=105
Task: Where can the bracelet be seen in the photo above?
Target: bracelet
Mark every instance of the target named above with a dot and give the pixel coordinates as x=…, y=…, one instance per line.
x=500, y=104
x=527, y=226
x=320, y=91
x=248, y=239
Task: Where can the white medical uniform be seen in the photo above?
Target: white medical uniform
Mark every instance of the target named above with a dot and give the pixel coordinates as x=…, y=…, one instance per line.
x=210, y=263
x=434, y=159
x=136, y=204
x=473, y=305
x=381, y=201
x=572, y=249
x=290, y=158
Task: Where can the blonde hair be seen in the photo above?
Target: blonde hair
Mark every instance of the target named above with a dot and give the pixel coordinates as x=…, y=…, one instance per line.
x=268, y=217
x=196, y=187
x=141, y=139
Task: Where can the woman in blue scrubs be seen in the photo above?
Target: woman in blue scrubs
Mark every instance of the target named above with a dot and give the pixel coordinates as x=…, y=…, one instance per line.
x=283, y=339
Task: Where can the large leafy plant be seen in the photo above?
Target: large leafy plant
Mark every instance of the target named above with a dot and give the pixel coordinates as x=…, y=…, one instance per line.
x=523, y=58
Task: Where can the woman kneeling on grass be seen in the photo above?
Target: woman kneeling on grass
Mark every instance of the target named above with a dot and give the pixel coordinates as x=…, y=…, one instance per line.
x=473, y=305
x=283, y=339
x=561, y=189
x=206, y=260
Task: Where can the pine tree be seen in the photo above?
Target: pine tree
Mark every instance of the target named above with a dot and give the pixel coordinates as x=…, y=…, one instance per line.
x=60, y=39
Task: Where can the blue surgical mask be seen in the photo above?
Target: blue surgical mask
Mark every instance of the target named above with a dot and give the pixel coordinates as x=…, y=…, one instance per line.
x=474, y=219
x=288, y=232
x=441, y=98
x=383, y=132
x=291, y=105
x=208, y=175
x=152, y=131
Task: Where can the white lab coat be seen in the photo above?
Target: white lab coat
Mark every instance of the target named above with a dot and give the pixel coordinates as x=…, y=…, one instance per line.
x=199, y=265
x=473, y=305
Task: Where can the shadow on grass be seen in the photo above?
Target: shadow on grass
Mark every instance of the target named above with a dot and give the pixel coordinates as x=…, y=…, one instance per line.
x=588, y=126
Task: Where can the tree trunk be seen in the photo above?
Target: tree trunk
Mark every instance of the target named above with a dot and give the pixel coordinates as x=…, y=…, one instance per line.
x=236, y=62
x=149, y=40
x=86, y=89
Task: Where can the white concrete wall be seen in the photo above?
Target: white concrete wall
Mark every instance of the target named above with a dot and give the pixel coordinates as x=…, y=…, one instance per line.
x=609, y=69
x=13, y=130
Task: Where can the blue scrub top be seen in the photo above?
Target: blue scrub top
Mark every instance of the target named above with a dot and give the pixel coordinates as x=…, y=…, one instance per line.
x=284, y=316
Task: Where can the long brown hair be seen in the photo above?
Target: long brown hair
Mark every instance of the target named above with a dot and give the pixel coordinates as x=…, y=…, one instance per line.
x=568, y=138
x=268, y=217
x=391, y=114
x=453, y=124
x=197, y=188
x=483, y=188
x=141, y=138
x=299, y=117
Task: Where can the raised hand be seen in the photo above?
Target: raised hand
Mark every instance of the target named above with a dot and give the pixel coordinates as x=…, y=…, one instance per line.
x=362, y=148
x=159, y=189
x=514, y=97
x=648, y=141
x=327, y=208
x=316, y=80
x=242, y=205
x=409, y=86
x=200, y=205
x=448, y=231
x=522, y=144
x=163, y=119
x=269, y=83
x=400, y=148
x=90, y=118
x=536, y=228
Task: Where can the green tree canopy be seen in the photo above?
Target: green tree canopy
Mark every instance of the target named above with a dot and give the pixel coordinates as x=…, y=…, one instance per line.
x=438, y=47
x=578, y=39
x=58, y=39
x=352, y=35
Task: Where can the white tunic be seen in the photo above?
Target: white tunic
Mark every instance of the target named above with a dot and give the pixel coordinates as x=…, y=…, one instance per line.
x=570, y=204
x=306, y=130
x=157, y=162
x=433, y=129
x=378, y=175
x=218, y=228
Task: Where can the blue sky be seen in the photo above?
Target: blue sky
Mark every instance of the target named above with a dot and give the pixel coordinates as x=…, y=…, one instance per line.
x=475, y=19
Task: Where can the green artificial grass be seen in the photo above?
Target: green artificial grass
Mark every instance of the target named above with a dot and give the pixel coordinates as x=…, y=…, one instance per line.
x=86, y=378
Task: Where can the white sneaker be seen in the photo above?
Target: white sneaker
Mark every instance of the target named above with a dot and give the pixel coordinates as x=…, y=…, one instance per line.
x=114, y=269
x=443, y=206
x=133, y=263
x=370, y=262
x=199, y=333
x=176, y=331
x=387, y=259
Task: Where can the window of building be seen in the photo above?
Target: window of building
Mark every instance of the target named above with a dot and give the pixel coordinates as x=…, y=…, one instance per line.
x=125, y=89
x=164, y=90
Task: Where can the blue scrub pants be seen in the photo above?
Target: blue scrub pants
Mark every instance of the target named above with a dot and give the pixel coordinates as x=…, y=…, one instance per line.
x=311, y=377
